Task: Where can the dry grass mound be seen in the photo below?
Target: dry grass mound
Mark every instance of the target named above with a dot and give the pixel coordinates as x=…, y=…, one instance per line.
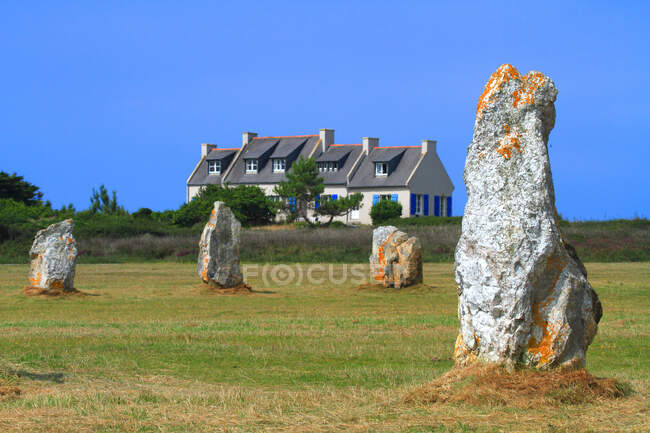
x=241, y=289
x=495, y=386
x=37, y=291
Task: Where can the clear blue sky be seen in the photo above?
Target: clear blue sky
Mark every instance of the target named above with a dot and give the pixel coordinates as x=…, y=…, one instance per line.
x=123, y=93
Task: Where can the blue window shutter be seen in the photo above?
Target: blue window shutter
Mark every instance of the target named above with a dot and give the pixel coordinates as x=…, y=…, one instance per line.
x=426, y=204
x=413, y=204
x=393, y=197
x=375, y=199
x=292, y=203
x=334, y=196
x=448, y=206
x=317, y=202
x=436, y=205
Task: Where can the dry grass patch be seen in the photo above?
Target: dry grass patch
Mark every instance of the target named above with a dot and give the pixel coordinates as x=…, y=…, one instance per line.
x=37, y=291
x=495, y=386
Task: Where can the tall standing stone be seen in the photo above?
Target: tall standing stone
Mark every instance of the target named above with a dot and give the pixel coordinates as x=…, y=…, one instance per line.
x=396, y=259
x=53, y=258
x=219, y=249
x=523, y=292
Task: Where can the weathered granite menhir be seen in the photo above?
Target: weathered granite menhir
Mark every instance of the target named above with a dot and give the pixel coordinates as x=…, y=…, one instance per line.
x=53, y=258
x=219, y=249
x=396, y=259
x=523, y=292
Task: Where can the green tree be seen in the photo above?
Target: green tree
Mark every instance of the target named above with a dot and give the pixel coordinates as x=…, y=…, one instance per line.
x=101, y=202
x=16, y=188
x=385, y=210
x=249, y=204
x=339, y=207
x=301, y=189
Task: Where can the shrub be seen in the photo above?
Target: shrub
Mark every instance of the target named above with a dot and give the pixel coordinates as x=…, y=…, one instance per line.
x=385, y=210
x=249, y=204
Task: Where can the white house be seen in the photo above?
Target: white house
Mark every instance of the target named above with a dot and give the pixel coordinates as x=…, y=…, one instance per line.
x=411, y=175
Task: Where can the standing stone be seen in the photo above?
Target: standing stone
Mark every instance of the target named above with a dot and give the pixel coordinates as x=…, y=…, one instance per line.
x=54, y=256
x=396, y=259
x=219, y=249
x=523, y=292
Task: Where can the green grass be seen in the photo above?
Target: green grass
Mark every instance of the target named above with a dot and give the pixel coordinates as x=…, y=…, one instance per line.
x=154, y=351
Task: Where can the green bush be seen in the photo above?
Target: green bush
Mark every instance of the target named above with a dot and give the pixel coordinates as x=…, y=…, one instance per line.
x=385, y=210
x=249, y=204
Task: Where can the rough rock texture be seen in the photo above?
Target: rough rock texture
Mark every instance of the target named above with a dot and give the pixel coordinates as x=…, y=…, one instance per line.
x=219, y=249
x=523, y=292
x=54, y=255
x=396, y=259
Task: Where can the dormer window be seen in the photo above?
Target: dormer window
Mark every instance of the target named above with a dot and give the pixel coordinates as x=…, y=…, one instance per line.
x=381, y=169
x=251, y=166
x=279, y=165
x=214, y=167
x=328, y=166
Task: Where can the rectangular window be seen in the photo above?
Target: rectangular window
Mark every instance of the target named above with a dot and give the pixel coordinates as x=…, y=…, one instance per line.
x=279, y=165
x=251, y=166
x=328, y=166
x=274, y=198
x=385, y=197
x=325, y=198
x=381, y=168
x=443, y=207
x=214, y=167
x=418, y=204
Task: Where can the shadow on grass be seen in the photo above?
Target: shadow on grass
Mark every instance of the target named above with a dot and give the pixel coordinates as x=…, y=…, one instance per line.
x=41, y=377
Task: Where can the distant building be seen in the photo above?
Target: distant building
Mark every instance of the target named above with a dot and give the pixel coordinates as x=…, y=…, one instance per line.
x=411, y=175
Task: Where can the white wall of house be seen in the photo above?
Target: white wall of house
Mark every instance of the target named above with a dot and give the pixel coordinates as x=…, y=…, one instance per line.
x=430, y=177
x=192, y=191
x=403, y=197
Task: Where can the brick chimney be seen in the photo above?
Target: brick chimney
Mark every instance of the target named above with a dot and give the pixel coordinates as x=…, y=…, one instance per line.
x=369, y=143
x=326, y=139
x=429, y=145
x=206, y=148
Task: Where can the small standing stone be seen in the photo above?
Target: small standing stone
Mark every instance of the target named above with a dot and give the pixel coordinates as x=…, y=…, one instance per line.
x=218, y=262
x=54, y=256
x=396, y=259
x=523, y=293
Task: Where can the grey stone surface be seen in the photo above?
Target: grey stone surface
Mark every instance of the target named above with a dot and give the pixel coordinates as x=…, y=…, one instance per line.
x=53, y=257
x=396, y=259
x=523, y=292
x=218, y=262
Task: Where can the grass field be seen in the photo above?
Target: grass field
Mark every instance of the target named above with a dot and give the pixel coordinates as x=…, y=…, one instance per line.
x=155, y=352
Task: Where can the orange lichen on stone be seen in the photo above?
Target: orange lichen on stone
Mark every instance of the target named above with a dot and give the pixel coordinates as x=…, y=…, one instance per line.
x=36, y=281
x=462, y=354
x=529, y=85
x=501, y=76
x=542, y=349
x=204, y=272
x=509, y=142
x=382, y=259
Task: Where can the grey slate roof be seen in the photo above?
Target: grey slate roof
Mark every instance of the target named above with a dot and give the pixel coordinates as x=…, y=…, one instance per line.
x=384, y=155
x=262, y=146
x=288, y=147
x=397, y=177
x=201, y=175
x=264, y=149
x=220, y=154
x=346, y=155
x=334, y=154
